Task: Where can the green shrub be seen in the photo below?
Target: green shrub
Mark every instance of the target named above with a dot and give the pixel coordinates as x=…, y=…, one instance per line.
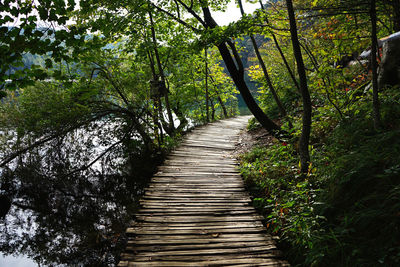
x=346, y=211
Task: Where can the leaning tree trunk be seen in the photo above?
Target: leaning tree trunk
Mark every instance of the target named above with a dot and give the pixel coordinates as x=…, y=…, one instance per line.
x=264, y=69
x=237, y=74
x=306, y=129
x=282, y=55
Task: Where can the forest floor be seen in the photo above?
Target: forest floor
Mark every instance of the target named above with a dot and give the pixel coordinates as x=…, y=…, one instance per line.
x=252, y=138
x=345, y=211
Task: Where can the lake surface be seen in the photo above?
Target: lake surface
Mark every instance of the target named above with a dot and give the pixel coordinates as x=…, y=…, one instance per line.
x=12, y=261
x=66, y=217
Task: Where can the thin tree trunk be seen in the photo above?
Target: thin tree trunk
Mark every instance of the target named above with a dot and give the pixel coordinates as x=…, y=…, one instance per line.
x=154, y=113
x=292, y=76
x=170, y=128
x=306, y=129
x=268, y=79
x=375, y=101
x=206, y=77
x=212, y=110
x=396, y=15
x=237, y=74
x=264, y=69
x=223, y=107
x=218, y=95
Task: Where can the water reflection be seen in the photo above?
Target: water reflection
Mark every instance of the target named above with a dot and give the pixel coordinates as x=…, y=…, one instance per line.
x=64, y=212
x=16, y=261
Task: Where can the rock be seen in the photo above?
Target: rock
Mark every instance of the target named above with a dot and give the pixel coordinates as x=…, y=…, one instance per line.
x=389, y=69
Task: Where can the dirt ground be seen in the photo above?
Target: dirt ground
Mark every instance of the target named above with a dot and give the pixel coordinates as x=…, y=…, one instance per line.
x=249, y=139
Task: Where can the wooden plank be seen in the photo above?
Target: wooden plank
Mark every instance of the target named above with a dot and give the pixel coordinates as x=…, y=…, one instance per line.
x=199, y=175
x=195, y=212
x=197, y=178
x=202, y=152
x=196, y=207
x=191, y=169
x=201, y=163
x=198, y=239
x=196, y=194
x=264, y=248
x=195, y=199
x=177, y=190
x=189, y=152
x=228, y=262
x=139, y=231
x=227, y=237
x=196, y=182
x=192, y=198
x=202, y=202
x=210, y=142
x=167, y=208
x=136, y=248
x=187, y=204
x=198, y=213
x=179, y=184
x=268, y=255
x=191, y=219
x=194, y=164
x=194, y=226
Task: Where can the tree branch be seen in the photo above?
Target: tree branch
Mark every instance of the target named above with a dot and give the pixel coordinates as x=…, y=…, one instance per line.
x=176, y=18
x=237, y=57
x=45, y=140
x=191, y=11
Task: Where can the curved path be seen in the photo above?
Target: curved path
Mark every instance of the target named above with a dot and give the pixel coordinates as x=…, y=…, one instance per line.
x=196, y=211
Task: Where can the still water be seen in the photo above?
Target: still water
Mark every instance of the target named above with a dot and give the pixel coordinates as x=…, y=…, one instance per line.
x=12, y=261
x=64, y=217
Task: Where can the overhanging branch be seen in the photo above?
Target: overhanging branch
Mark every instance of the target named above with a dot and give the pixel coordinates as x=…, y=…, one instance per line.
x=176, y=18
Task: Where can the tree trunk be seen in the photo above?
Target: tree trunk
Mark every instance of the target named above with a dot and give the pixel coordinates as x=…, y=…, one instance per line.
x=218, y=95
x=396, y=15
x=237, y=74
x=206, y=77
x=264, y=69
x=223, y=107
x=169, y=128
x=154, y=114
x=306, y=129
x=283, y=55
x=268, y=79
x=374, y=64
x=212, y=110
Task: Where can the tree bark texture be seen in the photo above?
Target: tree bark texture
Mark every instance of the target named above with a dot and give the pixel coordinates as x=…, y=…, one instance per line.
x=169, y=128
x=237, y=74
x=306, y=129
x=206, y=77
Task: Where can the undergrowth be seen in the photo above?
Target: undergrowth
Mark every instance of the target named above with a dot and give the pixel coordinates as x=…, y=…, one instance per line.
x=346, y=210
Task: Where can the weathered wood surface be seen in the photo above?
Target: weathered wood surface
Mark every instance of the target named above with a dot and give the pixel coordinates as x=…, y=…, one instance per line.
x=196, y=212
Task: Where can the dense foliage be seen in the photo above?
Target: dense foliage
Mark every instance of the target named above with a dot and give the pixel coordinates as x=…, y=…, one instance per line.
x=344, y=211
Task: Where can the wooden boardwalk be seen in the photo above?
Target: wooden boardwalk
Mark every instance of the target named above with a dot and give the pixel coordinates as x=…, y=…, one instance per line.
x=196, y=211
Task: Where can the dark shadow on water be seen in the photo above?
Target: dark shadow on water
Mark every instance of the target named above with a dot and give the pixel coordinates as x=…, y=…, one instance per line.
x=63, y=217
